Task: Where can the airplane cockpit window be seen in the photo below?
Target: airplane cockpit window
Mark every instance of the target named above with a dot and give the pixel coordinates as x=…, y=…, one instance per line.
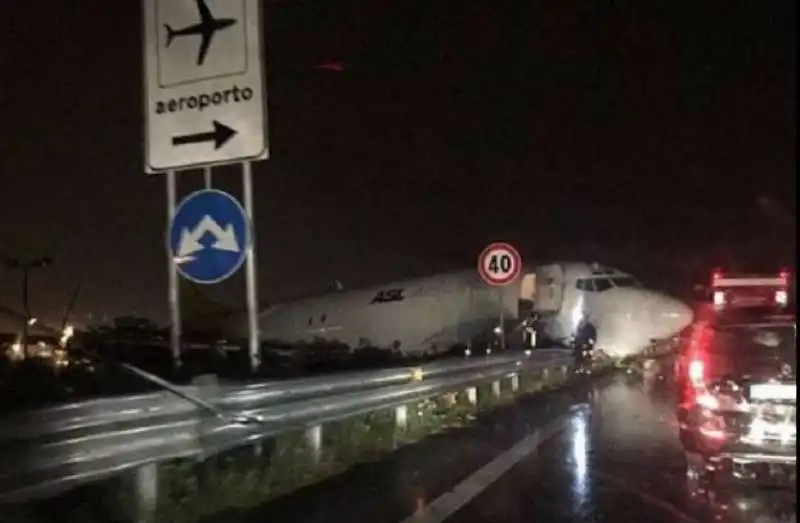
x=602, y=284
x=584, y=284
x=625, y=281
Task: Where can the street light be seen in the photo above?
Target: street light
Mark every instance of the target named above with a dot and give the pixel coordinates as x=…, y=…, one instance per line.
x=25, y=266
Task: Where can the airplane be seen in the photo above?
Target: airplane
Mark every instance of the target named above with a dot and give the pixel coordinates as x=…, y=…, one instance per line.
x=435, y=314
x=207, y=27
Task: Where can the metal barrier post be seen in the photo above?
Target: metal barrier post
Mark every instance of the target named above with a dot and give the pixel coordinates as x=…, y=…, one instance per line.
x=146, y=492
x=401, y=416
x=314, y=441
x=472, y=395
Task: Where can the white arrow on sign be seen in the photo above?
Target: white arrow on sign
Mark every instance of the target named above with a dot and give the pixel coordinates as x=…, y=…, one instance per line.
x=190, y=240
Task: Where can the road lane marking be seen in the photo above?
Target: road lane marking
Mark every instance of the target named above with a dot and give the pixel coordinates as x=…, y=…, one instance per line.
x=446, y=505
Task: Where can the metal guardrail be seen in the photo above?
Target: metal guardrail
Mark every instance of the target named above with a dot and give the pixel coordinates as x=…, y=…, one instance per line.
x=51, y=450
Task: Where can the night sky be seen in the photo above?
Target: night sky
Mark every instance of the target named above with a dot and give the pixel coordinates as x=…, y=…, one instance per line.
x=631, y=132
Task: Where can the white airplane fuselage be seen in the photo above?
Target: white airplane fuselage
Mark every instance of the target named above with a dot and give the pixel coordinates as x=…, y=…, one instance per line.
x=434, y=314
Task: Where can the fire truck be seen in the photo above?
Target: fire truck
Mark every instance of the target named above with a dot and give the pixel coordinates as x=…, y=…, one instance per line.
x=737, y=382
x=735, y=298
x=731, y=291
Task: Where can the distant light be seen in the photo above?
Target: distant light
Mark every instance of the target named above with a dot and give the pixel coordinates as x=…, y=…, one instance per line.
x=32, y=322
x=68, y=332
x=331, y=66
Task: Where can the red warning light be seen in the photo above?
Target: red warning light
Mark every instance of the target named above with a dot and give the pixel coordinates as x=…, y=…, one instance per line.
x=697, y=371
x=337, y=67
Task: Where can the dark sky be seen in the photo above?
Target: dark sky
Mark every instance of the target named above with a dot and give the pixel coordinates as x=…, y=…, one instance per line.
x=571, y=128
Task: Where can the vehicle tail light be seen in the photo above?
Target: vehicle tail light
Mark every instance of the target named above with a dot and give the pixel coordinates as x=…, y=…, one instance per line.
x=781, y=298
x=784, y=275
x=697, y=371
x=719, y=298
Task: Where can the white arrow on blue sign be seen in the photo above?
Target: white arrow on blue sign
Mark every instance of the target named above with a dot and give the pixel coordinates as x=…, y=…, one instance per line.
x=209, y=236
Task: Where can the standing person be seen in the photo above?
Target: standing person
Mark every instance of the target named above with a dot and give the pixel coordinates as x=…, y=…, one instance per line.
x=532, y=330
x=583, y=344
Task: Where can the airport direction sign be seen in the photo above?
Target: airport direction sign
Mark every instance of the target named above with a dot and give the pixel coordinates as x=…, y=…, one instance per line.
x=209, y=236
x=499, y=264
x=205, y=99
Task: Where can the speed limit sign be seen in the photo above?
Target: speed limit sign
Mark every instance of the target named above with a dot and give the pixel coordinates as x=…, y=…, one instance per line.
x=499, y=264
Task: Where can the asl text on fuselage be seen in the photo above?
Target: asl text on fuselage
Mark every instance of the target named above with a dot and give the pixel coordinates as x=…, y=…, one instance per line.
x=202, y=101
x=387, y=296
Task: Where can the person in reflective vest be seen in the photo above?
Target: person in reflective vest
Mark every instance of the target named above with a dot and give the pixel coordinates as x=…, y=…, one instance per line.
x=532, y=330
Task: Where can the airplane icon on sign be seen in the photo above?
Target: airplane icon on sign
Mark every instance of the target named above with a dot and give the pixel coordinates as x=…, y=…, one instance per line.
x=207, y=27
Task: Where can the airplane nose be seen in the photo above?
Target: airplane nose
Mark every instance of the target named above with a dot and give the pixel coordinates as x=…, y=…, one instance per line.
x=673, y=314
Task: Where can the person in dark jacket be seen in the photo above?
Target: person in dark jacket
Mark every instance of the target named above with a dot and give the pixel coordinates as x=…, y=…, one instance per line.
x=583, y=344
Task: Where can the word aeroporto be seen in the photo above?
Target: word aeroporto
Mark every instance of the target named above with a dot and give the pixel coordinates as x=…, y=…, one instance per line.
x=199, y=102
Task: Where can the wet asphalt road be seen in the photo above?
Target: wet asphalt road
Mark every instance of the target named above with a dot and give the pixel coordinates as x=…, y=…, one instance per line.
x=613, y=456
x=617, y=459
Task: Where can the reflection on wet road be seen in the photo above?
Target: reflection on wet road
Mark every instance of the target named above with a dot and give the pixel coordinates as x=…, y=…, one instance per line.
x=618, y=459
x=606, y=451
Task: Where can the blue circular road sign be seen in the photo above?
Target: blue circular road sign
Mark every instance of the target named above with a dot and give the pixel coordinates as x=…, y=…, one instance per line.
x=209, y=236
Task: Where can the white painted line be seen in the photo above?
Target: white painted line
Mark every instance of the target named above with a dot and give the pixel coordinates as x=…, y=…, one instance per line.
x=446, y=505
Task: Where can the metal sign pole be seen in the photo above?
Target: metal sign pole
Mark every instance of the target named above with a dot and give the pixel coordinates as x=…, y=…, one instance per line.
x=174, y=294
x=217, y=133
x=207, y=177
x=250, y=271
x=499, y=264
x=502, y=319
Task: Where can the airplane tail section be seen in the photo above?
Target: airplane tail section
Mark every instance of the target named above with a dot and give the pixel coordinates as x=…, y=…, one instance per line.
x=170, y=34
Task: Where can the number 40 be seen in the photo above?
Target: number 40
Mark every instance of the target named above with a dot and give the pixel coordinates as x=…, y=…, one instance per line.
x=500, y=263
